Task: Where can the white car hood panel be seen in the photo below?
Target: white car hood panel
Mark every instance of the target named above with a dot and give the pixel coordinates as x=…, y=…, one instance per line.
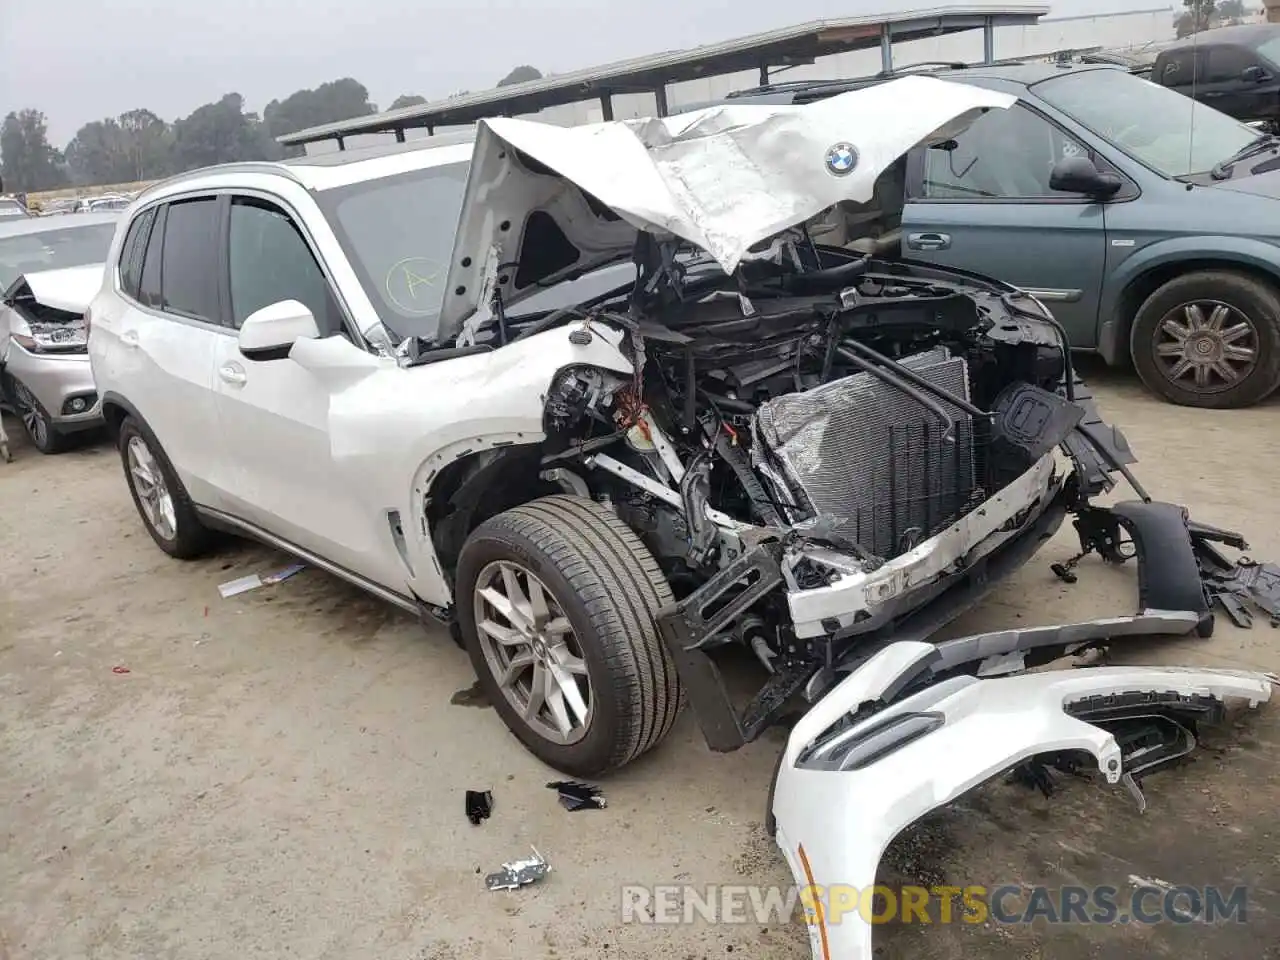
x=844, y=820
x=723, y=178
x=70, y=288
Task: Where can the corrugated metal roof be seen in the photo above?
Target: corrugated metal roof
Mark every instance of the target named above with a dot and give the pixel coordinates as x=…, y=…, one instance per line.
x=801, y=42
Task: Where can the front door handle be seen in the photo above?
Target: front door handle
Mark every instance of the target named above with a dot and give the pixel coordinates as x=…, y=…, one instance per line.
x=929, y=241
x=232, y=373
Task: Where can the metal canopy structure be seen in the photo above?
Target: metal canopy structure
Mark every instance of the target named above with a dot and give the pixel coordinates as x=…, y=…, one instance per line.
x=785, y=47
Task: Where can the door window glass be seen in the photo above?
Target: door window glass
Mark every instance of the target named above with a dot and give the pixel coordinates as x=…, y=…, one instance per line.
x=189, y=267
x=1227, y=64
x=270, y=261
x=1004, y=154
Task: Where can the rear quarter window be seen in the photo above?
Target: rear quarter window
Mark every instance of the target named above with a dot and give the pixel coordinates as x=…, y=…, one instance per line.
x=133, y=253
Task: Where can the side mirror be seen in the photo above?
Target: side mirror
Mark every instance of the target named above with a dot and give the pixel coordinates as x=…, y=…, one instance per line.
x=1253, y=74
x=270, y=333
x=1079, y=175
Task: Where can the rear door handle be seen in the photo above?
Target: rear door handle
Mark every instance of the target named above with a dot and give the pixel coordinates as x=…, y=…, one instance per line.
x=929, y=241
x=232, y=373
x=129, y=338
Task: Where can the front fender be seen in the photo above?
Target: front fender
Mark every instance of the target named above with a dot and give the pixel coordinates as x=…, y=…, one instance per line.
x=1226, y=250
x=392, y=433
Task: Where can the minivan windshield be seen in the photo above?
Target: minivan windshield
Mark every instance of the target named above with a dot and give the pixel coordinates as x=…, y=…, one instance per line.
x=1168, y=132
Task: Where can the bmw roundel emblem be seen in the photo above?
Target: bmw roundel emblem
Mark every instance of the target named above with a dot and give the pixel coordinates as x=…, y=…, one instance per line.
x=841, y=159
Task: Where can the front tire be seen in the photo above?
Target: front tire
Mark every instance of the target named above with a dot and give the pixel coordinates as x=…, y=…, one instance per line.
x=162, y=501
x=1210, y=338
x=36, y=421
x=557, y=602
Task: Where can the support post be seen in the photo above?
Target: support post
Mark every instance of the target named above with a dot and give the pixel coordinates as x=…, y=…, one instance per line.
x=886, y=49
x=606, y=106
x=399, y=134
x=989, y=41
x=764, y=74
x=342, y=143
x=660, y=98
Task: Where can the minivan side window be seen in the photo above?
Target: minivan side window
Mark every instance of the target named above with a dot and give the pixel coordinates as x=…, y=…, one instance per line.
x=269, y=261
x=1180, y=68
x=1003, y=155
x=189, y=265
x=134, y=251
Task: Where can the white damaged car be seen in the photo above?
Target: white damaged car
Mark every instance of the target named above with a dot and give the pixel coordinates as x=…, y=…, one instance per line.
x=607, y=398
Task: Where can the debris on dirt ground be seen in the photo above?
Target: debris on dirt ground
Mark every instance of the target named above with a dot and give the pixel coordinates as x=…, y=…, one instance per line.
x=519, y=873
x=479, y=805
x=253, y=581
x=119, y=669
x=578, y=796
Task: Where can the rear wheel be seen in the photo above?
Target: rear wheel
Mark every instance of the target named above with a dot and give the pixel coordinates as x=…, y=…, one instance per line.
x=162, y=501
x=1210, y=338
x=557, y=600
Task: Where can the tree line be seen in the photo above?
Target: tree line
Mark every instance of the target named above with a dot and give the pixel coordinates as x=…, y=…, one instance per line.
x=1198, y=15
x=139, y=145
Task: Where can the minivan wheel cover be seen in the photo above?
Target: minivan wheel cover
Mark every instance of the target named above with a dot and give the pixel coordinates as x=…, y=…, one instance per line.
x=1206, y=346
x=532, y=652
x=148, y=483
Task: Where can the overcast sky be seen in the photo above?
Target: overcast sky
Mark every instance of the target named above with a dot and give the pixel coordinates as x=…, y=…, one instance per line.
x=81, y=60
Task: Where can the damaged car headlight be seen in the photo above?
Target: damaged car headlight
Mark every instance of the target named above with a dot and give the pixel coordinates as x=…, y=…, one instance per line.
x=41, y=337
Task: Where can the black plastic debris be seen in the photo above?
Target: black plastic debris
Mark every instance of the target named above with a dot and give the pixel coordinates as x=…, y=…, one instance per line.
x=578, y=796
x=479, y=805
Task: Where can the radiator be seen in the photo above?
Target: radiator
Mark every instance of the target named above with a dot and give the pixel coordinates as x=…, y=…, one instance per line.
x=871, y=461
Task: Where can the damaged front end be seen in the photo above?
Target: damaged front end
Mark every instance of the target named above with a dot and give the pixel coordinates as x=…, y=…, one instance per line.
x=823, y=451
x=906, y=734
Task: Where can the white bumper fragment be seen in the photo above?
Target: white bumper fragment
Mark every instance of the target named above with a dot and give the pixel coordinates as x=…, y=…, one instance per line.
x=843, y=795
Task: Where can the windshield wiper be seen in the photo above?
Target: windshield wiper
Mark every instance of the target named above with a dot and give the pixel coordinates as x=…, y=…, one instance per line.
x=1222, y=169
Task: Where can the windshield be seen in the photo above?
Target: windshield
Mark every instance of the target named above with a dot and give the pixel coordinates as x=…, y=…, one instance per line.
x=53, y=250
x=1170, y=133
x=398, y=234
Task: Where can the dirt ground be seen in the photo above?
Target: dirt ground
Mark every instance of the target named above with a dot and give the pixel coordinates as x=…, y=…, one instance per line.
x=282, y=773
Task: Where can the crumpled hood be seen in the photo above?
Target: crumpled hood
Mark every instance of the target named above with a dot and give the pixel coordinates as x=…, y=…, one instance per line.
x=544, y=201
x=70, y=288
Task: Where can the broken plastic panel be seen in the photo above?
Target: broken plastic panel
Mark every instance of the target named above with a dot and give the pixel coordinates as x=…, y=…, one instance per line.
x=479, y=805
x=578, y=796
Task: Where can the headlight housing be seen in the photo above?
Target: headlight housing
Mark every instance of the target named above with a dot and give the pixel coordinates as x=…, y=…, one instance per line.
x=70, y=335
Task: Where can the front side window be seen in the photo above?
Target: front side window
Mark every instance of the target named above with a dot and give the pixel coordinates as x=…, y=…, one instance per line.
x=1228, y=64
x=188, y=267
x=398, y=234
x=1004, y=154
x=270, y=261
x=54, y=249
x=1172, y=134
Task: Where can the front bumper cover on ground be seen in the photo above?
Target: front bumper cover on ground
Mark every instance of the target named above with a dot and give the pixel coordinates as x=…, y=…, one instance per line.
x=866, y=761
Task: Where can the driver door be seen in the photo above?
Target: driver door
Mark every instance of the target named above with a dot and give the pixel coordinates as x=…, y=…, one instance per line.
x=274, y=415
x=982, y=202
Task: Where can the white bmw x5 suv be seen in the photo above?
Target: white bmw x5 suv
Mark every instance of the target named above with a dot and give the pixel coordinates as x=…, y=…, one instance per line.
x=607, y=398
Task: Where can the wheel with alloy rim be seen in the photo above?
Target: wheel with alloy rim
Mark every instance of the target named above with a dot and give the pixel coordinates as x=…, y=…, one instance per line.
x=531, y=650
x=35, y=420
x=162, y=502
x=1210, y=338
x=557, y=601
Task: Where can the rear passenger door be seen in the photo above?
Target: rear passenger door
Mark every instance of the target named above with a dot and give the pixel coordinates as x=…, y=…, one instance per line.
x=168, y=334
x=985, y=205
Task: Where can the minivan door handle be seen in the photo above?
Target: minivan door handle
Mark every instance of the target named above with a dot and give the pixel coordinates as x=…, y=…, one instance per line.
x=929, y=241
